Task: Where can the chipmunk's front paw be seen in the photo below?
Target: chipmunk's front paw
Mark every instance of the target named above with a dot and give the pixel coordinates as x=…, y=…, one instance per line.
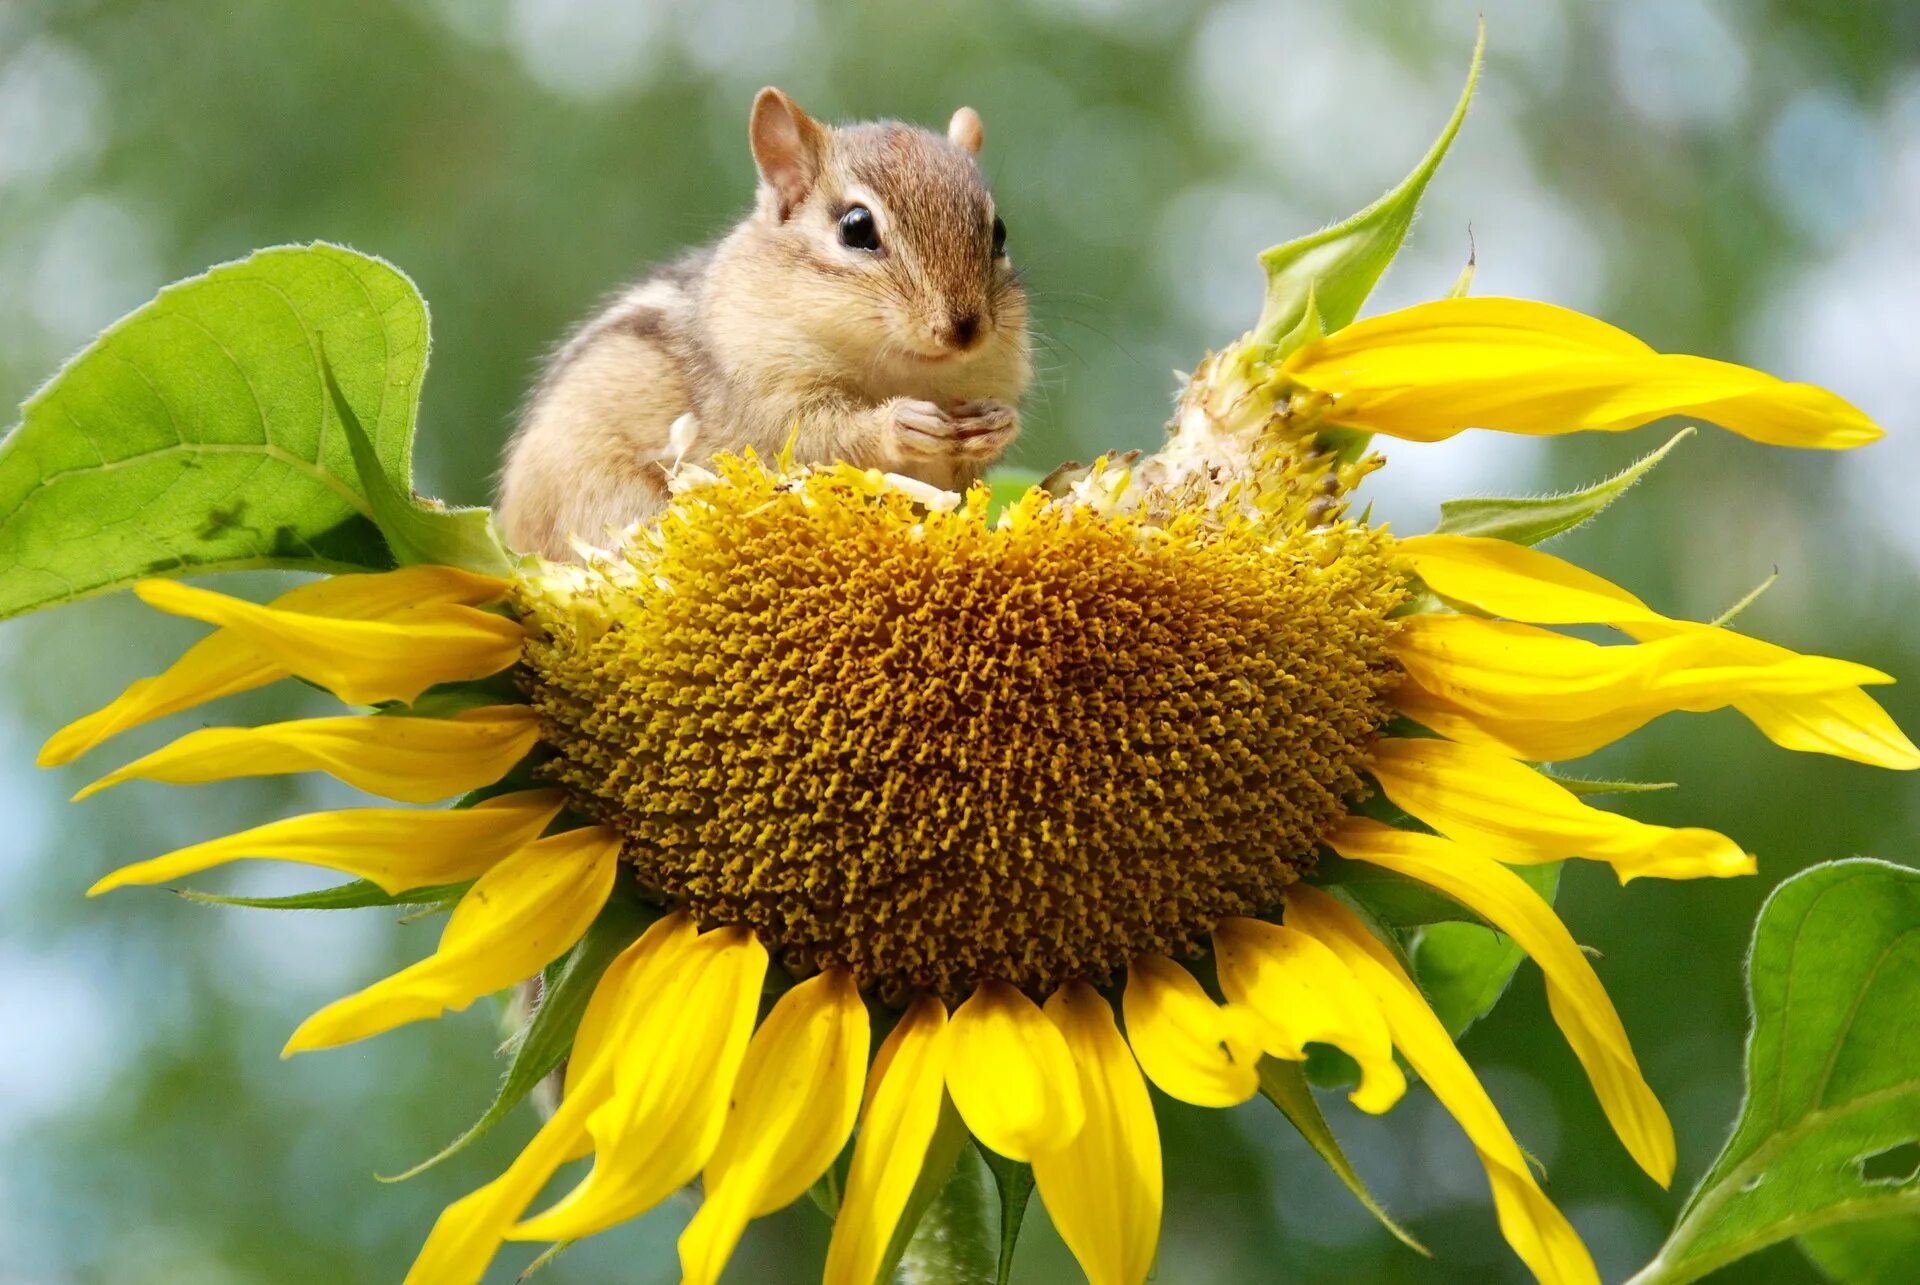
x=983, y=429
x=917, y=432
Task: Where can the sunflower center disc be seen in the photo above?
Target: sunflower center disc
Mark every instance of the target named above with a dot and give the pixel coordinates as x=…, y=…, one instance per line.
x=936, y=752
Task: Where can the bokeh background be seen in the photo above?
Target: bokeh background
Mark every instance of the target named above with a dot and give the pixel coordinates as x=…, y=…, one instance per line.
x=1734, y=177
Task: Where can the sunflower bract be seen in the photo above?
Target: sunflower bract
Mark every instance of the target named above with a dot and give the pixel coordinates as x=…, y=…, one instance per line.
x=936, y=750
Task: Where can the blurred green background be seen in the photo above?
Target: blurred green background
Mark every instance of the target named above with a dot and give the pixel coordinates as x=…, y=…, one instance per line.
x=1737, y=179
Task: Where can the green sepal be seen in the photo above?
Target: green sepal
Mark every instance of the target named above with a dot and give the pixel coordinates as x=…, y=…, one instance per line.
x=192, y=435
x=417, y=530
x=1013, y=1181
x=1463, y=283
x=1748, y=599
x=1328, y=1067
x=1533, y=519
x=548, y=1038
x=1309, y=327
x=1582, y=786
x=448, y=699
x=1285, y=1085
x=940, y=1170
x=1339, y=266
x=1465, y=968
x=360, y=894
x=546, y=1258
x=1825, y=1138
x=830, y=1187
x=1393, y=900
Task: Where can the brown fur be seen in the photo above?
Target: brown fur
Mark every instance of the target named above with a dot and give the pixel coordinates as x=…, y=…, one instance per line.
x=780, y=332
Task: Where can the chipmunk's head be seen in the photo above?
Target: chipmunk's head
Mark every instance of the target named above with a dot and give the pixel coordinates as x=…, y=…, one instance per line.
x=892, y=238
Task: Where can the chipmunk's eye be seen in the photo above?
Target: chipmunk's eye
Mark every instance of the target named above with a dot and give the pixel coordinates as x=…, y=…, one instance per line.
x=858, y=231
x=999, y=237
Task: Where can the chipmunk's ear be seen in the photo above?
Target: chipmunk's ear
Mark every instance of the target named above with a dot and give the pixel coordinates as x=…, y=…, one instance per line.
x=789, y=148
x=965, y=130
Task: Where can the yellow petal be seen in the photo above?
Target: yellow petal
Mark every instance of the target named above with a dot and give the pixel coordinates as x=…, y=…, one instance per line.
x=1847, y=724
x=902, y=1111
x=1009, y=1074
x=793, y=1109
x=675, y=1068
x=1505, y=809
x=1547, y=696
x=1191, y=1047
x=517, y=918
x=1842, y=721
x=396, y=848
x=1507, y=579
x=225, y=662
x=1538, y=1232
x=1541, y=740
x=1579, y=1002
x=415, y=760
x=616, y=999
x=1427, y=372
x=468, y=1232
x=363, y=662
x=1303, y=994
x=1103, y=1189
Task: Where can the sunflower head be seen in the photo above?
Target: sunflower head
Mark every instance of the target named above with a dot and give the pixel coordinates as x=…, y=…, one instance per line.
x=938, y=749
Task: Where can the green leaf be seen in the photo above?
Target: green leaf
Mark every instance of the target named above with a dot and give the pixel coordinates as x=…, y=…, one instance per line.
x=1465, y=968
x=193, y=435
x=1285, y=1085
x=360, y=894
x=949, y=1204
x=417, y=530
x=1870, y=1253
x=1827, y=1134
x=1014, y=1183
x=1338, y=267
x=1532, y=519
x=549, y=1037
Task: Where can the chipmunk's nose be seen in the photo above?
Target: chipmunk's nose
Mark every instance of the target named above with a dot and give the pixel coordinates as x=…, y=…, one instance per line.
x=962, y=330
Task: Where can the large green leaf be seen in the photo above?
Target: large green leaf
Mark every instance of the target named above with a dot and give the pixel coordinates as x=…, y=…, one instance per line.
x=1465, y=968
x=1530, y=519
x=1828, y=1132
x=1331, y=272
x=195, y=434
x=1871, y=1253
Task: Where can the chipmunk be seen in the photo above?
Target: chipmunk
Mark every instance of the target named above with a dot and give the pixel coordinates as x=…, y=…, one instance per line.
x=865, y=310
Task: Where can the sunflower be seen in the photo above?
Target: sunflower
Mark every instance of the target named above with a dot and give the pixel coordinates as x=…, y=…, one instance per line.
x=990, y=789
x=920, y=816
